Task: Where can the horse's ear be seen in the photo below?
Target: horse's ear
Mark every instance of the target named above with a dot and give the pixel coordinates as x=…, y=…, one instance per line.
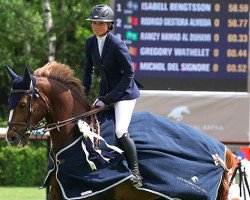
x=26, y=76
x=12, y=74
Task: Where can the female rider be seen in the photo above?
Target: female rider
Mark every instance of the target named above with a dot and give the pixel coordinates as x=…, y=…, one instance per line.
x=117, y=85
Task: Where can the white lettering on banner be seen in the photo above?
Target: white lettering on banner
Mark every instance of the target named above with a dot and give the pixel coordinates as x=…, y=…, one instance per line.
x=173, y=67
x=200, y=22
x=192, y=37
x=155, y=51
x=159, y=21
x=154, y=6
x=162, y=51
x=191, y=52
x=209, y=127
x=171, y=36
x=176, y=22
x=212, y=127
x=185, y=7
x=194, y=7
x=152, y=66
x=152, y=36
x=151, y=21
x=200, y=37
x=128, y=42
x=195, y=67
x=127, y=26
x=126, y=11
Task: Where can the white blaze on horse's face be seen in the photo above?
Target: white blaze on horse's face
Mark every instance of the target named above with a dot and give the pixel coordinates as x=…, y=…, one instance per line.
x=10, y=117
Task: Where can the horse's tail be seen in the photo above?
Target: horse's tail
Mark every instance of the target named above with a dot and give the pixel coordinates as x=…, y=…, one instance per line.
x=224, y=186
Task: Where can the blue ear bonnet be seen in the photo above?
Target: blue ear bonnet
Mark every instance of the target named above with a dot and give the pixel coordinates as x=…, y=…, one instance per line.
x=20, y=83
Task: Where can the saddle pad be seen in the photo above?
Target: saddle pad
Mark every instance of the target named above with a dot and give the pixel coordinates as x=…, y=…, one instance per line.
x=175, y=161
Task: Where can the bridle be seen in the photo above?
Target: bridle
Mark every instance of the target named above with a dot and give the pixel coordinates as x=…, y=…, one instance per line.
x=43, y=125
x=31, y=93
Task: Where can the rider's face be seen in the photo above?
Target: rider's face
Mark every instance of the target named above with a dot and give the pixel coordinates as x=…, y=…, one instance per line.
x=100, y=28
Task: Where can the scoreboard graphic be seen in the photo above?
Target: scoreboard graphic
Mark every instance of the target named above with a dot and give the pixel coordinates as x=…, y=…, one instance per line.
x=186, y=45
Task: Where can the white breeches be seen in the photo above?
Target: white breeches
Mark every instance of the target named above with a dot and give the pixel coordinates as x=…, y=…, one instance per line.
x=123, y=113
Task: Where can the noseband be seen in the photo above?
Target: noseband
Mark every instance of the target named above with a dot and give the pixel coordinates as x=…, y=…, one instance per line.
x=30, y=93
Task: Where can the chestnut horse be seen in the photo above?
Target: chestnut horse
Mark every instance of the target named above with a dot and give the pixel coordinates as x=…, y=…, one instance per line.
x=56, y=95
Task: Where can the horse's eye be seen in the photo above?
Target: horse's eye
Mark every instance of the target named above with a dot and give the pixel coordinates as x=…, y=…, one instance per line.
x=21, y=105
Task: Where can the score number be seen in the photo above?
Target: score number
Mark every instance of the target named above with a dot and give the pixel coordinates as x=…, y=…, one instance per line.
x=237, y=53
x=237, y=38
x=240, y=68
x=240, y=38
x=237, y=23
x=241, y=8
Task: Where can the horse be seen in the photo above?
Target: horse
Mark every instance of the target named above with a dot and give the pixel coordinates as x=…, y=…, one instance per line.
x=54, y=93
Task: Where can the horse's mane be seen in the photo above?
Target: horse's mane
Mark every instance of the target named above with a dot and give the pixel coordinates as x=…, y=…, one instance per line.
x=64, y=74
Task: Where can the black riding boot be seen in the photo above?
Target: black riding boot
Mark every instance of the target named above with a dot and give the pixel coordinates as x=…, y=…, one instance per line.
x=129, y=148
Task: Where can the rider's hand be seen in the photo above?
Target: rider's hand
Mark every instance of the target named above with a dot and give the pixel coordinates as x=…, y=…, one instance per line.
x=106, y=99
x=98, y=103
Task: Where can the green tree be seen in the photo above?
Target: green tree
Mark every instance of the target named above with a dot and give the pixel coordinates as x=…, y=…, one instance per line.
x=24, y=40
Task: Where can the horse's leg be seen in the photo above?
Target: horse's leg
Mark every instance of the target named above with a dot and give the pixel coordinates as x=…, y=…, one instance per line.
x=126, y=191
x=224, y=186
x=55, y=192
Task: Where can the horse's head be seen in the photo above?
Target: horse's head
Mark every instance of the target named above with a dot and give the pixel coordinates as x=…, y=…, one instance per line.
x=23, y=101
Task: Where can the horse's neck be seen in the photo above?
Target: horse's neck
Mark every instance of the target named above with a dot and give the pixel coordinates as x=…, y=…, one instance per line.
x=64, y=104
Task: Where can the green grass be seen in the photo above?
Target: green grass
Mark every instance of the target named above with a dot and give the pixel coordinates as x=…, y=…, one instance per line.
x=22, y=193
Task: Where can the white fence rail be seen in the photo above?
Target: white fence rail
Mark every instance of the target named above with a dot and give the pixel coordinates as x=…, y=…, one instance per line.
x=2, y=131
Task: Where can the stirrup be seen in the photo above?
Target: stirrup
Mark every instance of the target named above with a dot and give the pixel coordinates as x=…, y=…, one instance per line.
x=136, y=180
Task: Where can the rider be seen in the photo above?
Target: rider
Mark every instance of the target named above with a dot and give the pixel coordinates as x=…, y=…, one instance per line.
x=117, y=85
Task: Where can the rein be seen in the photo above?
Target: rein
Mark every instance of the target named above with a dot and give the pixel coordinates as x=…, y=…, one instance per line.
x=59, y=124
x=52, y=126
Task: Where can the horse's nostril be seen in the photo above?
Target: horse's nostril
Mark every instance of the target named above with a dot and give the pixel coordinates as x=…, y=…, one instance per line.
x=13, y=139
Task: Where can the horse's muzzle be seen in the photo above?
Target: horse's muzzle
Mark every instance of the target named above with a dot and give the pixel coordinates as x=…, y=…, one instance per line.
x=16, y=139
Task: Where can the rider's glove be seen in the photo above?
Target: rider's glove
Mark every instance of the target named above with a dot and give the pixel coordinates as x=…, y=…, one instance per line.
x=106, y=99
x=102, y=101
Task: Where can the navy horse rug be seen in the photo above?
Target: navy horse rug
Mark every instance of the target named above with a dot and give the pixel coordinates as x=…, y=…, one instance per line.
x=175, y=160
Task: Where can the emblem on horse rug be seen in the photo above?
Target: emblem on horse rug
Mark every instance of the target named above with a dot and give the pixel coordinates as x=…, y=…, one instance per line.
x=194, y=179
x=176, y=160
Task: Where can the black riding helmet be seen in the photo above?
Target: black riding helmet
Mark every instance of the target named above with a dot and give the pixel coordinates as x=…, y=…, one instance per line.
x=102, y=13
